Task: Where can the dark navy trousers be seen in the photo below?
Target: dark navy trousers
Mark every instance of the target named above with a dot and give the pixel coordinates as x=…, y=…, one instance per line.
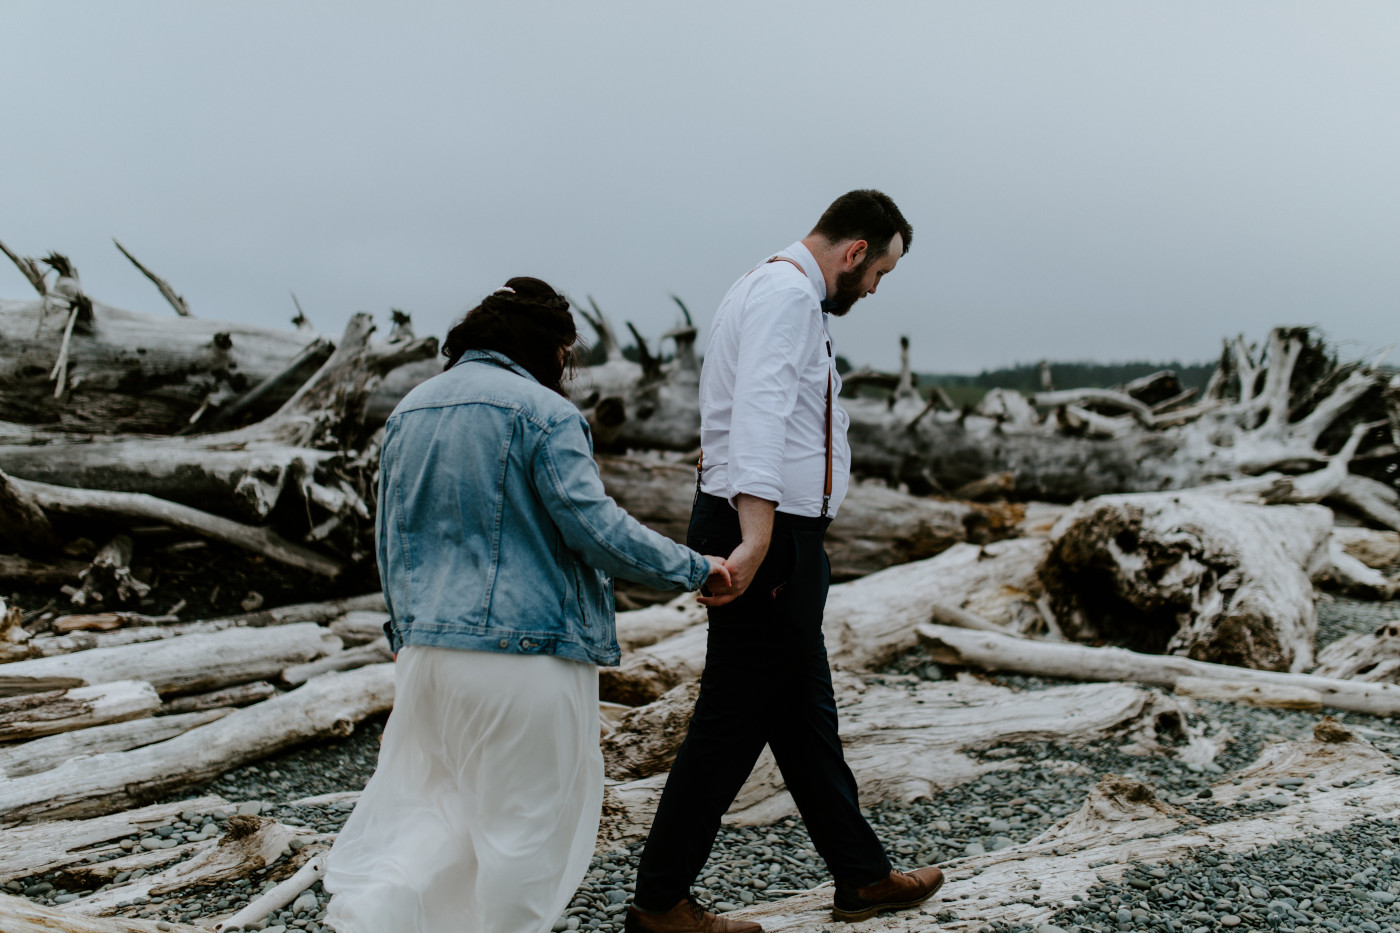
x=766, y=682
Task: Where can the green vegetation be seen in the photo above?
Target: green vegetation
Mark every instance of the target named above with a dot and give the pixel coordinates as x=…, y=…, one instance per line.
x=965, y=389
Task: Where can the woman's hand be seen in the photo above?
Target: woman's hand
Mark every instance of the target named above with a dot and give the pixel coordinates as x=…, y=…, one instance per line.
x=719, y=576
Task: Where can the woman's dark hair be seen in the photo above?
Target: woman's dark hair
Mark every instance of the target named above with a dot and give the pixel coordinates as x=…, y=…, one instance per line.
x=527, y=321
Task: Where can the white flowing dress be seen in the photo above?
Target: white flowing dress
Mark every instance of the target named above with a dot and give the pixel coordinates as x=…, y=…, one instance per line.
x=483, y=811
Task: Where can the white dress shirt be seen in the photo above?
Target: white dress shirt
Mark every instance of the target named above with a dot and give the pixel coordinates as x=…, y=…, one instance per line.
x=763, y=391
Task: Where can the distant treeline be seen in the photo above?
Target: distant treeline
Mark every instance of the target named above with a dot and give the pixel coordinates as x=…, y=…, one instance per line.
x=1026, y=376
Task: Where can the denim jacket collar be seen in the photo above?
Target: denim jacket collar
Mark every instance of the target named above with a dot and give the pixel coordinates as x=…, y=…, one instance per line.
x=472, y=356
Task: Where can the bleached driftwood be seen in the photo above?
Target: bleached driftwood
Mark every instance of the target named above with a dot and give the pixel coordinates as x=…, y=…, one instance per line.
x=877, y=526
x=133, y=371
x=45, y=646
x=360, y=627
x=375, y=652
x=135, y=505
x=109, y=577
x=905, y=741
x=1122, y=824
x=227, y=698
x=1190, y=574
x=249, y=843
x=1275, y=696
x=989, y=651
x=280, y=896
x=51, y=751
x=867, y=621
x=42, y=847
x=178, y=665
x=36, y=714
x=642, y=627
x=18, y=915
x=328, y=705
x=1369, y=656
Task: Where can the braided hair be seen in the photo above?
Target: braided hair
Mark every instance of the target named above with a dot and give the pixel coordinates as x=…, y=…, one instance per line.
x=527, y=321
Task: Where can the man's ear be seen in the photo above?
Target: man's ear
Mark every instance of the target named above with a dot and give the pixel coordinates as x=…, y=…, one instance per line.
x=855, y=252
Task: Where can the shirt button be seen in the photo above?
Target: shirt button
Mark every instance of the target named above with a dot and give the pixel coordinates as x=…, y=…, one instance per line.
x=504, y=643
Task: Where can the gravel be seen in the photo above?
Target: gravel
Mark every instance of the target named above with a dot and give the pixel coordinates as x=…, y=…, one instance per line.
x=1344, y=881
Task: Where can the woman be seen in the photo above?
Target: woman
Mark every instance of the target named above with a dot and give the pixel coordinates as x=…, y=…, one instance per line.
x=497, y=547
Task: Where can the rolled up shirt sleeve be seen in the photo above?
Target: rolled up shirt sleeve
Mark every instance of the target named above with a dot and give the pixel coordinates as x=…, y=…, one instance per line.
x=775, y=336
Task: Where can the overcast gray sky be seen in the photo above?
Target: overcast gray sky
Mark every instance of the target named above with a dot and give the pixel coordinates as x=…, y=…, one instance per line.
x=1086, y=180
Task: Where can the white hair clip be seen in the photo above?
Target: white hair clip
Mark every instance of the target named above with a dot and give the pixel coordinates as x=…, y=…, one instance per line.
x=504, y=288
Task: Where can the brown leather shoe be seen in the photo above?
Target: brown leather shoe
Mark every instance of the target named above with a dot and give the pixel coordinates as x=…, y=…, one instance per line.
x=685, y=917
x=900, y=890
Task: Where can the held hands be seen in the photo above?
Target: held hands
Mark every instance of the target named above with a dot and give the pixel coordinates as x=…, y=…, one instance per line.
x=734, y=575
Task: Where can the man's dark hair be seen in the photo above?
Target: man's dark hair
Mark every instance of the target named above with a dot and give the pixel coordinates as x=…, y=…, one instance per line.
x=529, y=324
x=865, y=214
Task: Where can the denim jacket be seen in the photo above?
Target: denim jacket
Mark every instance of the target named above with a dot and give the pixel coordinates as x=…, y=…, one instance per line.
x=494, y=532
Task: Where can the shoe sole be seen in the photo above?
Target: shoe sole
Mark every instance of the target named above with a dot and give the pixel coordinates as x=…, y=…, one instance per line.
x=865, y=913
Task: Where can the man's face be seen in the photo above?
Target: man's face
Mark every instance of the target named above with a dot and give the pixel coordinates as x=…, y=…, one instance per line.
x=855, y=283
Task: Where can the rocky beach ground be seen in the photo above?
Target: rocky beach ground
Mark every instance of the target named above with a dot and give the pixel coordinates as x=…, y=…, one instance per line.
x=1340, y=881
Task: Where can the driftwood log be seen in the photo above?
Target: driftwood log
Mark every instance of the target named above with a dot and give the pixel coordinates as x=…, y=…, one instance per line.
x=44, y=754
x=877, y=526
x=37, y=714
x=39, y=848
x=903, y=741
x=867, y=621
x=328, y=705
x=189, y=664
x=1190, y=574
x=989, y=651
x=1121, y=825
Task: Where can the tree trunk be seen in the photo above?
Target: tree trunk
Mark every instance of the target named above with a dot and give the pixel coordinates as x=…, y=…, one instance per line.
x=1190, y=574
x=1079, y=662
x=329, y=705
x=36, y=714
x=40, y=848
x=132, y=372
x=190, y=664
x=249, y=844
x=39, y=755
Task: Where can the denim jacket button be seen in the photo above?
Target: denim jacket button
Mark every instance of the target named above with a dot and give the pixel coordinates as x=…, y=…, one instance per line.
x=504, y=643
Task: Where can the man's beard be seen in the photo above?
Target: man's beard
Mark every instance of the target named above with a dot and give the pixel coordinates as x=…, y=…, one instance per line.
x=848, y=289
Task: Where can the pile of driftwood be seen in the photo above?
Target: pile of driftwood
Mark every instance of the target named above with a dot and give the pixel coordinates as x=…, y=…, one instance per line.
x=1183, y=561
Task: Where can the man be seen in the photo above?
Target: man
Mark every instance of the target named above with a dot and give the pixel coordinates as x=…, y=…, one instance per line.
x=774, y=469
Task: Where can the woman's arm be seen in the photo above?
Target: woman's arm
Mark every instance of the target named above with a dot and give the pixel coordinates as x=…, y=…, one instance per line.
x=594, y=526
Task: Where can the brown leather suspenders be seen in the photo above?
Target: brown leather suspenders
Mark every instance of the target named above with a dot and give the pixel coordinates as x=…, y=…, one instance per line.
x=826, y=488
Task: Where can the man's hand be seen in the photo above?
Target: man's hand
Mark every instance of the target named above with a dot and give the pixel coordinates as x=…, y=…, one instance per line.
x=756, y=524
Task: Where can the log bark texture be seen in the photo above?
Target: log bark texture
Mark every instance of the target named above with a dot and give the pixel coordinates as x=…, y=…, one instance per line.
x=329, y=705
x=39, y=755
x=37, y=714
x=992, y=652
x=188, y=664
x=1189, y=574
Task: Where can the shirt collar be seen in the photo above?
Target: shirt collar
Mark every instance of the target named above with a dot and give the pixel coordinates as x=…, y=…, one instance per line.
x=808, y=262
x=500, y=359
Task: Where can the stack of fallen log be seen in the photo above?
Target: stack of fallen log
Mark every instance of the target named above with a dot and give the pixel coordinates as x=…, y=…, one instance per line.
x=266, y=441
x=96, y=719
